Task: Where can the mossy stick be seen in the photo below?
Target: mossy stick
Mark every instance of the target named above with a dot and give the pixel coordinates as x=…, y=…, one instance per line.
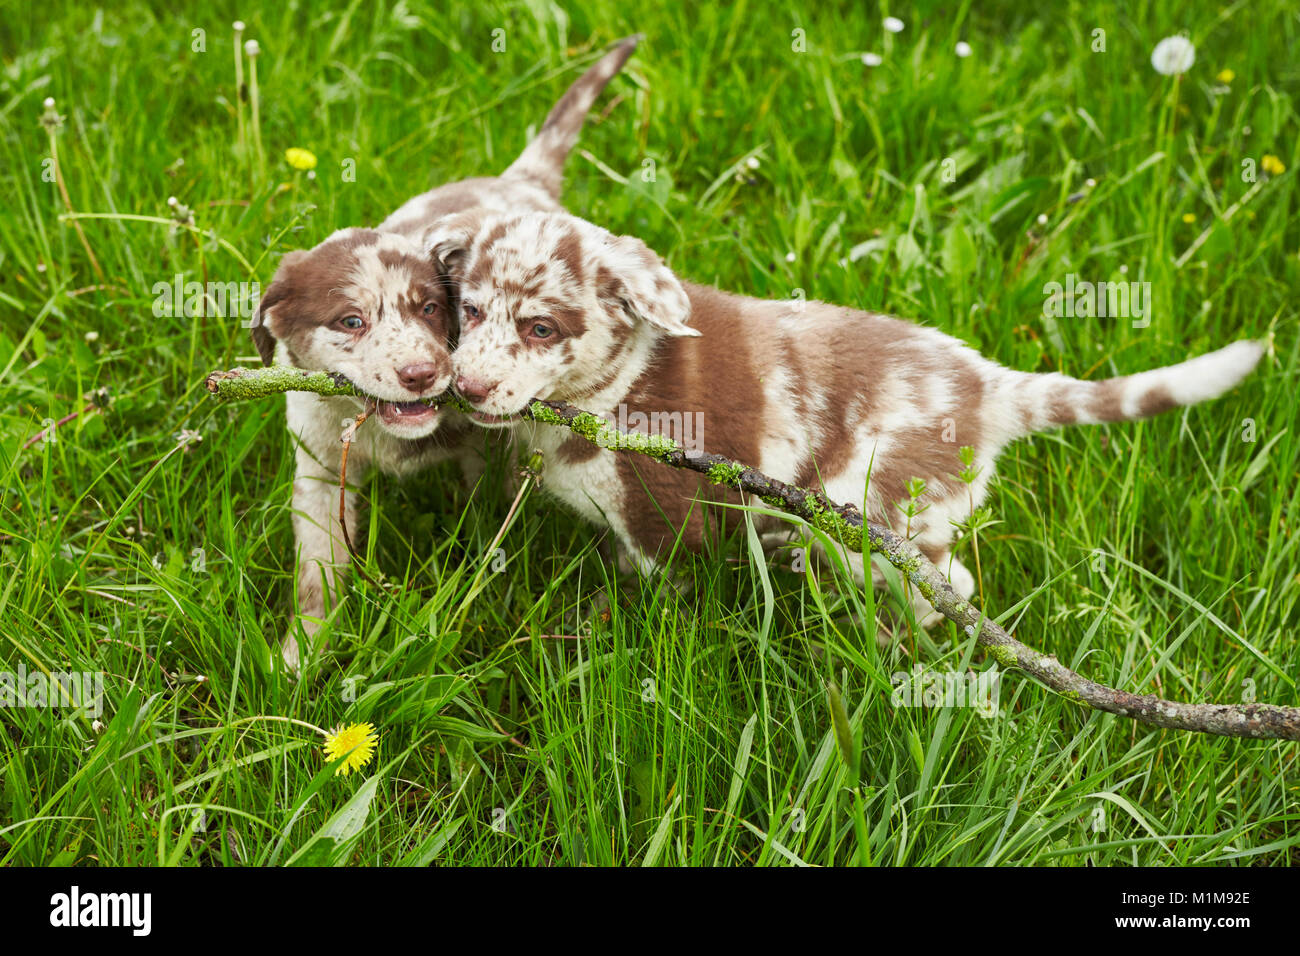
x=845, y=524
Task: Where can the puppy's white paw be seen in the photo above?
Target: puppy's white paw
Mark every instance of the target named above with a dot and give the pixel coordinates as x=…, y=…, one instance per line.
x=293, y=653
x=290, y=655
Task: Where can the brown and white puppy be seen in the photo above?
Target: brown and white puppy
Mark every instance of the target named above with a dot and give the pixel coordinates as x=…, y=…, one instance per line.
x=370, y=304
x=849, y=402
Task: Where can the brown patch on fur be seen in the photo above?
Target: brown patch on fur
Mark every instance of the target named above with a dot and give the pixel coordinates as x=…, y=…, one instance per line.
x=711, y=374
x=968, y=396
x=571, y=319
x=1063, y=406
x=850, y=358
x=575, y=450
x=449, y=200
x=569, y=251
x=1106, y=404
x=1155, y=401
x=913, y=453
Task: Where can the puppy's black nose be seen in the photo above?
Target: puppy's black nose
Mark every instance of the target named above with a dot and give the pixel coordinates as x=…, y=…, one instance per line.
x=472, y=389
x=418, y=378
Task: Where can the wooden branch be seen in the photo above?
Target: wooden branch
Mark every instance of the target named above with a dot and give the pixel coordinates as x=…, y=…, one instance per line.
x=845, y=524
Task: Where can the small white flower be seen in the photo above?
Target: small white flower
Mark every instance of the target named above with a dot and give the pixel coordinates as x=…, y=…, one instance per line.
x=893, y=24
x=872, y=59
x=92, y=336
x=1173, y=55
x=752, y=162
x=1090, y=183
x=238, y=26
x=789, y=257
x=252, y=48
x=1123, y=269
x=1042, y=218
x=962, y=49
x=97, y=726
x=49, y=102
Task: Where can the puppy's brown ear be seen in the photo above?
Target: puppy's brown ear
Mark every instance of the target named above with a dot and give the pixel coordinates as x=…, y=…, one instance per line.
x=448, y=243
x=276, y=293
x=636, y=280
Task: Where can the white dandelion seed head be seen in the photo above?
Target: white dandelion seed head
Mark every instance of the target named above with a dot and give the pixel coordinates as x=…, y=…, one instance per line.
x=252, y=48
x=789, y=257
x=1173, y=55
x=962, y=49
x=238, y=26
x=1042, y=218
x=173, y=201
x=872, y=59
x=49, y=102
x=752, y=162
x=893, y=24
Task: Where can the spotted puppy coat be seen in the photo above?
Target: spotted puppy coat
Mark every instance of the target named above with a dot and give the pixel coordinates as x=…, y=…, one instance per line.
x=849, y=402
x=370, y=304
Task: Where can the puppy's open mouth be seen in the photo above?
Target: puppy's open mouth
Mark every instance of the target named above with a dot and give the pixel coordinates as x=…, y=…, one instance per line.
x=406, y=413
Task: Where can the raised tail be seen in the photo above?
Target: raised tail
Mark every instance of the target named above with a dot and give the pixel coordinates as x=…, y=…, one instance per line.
x=1048, y=401
x=542, y=161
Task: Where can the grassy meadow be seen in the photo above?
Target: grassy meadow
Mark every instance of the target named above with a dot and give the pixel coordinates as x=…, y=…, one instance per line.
x=549, y=711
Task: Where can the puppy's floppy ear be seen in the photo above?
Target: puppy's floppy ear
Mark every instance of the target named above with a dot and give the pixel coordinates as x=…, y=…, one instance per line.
x=633, y=278
x=449, y=241
x=276, y=292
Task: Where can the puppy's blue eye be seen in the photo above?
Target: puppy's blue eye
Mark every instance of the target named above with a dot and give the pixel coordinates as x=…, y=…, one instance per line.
x=541, y=331
x=470, y=311
x=353, y=322
x=430, y=308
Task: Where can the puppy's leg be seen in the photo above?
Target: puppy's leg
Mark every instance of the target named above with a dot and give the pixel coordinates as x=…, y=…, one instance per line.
x=471, y=458
x=322, y=553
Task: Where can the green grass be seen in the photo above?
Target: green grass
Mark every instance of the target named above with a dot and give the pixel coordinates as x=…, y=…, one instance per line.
x=667, y=730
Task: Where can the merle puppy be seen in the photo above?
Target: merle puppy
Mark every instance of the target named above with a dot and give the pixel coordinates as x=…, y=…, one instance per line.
x=370, y=304
x=848, y=402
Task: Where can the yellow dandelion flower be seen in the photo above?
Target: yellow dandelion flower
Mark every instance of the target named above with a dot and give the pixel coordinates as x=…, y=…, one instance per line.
x=355, y=742
x=1188, y=218
x=1225, y=76
x=1272, y=165
x=300, y=158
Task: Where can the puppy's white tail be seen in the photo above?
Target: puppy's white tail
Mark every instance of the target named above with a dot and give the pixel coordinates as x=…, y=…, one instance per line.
x=542, y=162
x=1047, y=401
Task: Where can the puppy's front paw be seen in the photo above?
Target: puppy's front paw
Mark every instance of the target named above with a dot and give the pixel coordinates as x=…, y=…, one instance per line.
x=290, y=654
x=299, y=643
